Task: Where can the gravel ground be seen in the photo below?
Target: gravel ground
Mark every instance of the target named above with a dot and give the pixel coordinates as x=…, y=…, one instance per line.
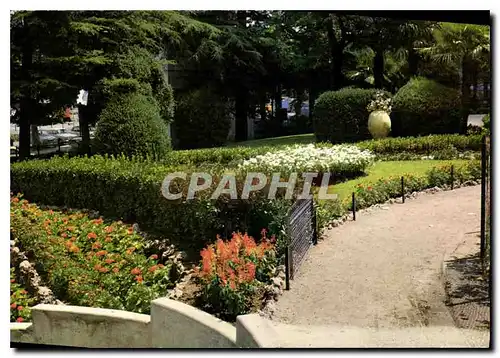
x=385, y=269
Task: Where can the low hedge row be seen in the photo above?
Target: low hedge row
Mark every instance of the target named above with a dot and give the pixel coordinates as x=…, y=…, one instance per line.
x=384, y=189
x=130, y=190
x=232, y=156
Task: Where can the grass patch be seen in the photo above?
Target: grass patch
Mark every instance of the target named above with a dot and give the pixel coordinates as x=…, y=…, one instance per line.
x=385, y=170
x=277, y=141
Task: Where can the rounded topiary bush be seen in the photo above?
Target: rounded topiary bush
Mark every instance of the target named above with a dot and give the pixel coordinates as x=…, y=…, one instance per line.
x=423, y=107
x=131, y=124
x=201, y=119
x=341, y=116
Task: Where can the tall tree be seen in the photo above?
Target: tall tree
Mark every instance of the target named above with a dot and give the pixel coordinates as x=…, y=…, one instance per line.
x=464, y=47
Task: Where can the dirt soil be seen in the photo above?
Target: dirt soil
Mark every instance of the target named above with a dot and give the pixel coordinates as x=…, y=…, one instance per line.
x=385, y=269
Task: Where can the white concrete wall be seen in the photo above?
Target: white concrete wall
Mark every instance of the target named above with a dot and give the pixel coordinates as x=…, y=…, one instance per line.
x=177, y=325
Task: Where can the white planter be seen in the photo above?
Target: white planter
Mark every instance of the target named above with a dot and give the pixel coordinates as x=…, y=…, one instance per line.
x=379, y=124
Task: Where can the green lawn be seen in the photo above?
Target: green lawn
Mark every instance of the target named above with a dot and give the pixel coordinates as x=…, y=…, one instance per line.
x=387, y=169
x=285, y=140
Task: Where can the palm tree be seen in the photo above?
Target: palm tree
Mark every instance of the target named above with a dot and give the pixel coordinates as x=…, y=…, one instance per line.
x=466, y=47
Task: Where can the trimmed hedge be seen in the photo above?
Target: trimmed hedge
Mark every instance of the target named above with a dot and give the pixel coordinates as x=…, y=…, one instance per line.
x=130, y=124
x=130, y=190
x=423, y=107
x=341, y=116
x=387, y=146
x=383, y=189
x=201, y=120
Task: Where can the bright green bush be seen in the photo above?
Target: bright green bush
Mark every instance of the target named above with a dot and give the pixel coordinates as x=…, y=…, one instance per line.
x=130, y=124
x=201, y=120
x=341, y=116
x=89, y=262
x=423, y=107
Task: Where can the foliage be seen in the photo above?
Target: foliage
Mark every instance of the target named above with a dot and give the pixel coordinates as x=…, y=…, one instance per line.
x=380, y=102
x=232, y=272
x=487, y=124
x=20, y=300
x=379, y=191
x=131, y=125
x=342, y=116
x=423, y=107
x=130, y=190
x=340, y=160
x=89, y=262
x=201, y=119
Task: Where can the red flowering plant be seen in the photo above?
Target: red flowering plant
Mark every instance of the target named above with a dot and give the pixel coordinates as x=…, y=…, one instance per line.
x=232, y=272
x=20, y=301
x=89, y=262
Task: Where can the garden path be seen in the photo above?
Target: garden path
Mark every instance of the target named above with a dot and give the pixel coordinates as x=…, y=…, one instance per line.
x=383, y=270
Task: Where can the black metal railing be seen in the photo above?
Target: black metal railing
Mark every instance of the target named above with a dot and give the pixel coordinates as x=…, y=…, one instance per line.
x=302, y=234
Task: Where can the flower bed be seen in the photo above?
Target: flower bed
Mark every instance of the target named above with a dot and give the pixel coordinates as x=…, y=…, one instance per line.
x=88, y=262
x=233, y=274
x=341, y=160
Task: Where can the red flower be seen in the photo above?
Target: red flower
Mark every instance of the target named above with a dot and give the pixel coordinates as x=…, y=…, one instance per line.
x=13, y=306
x=74, y=248
x=64, y=235
x=20, y=308
x=108, y=239
x=101, y=253
x=154, y=257
x=116, y=269
x=96, y=245
x=97, y=267
x=15, y=200
x=92, y=235
x=20, y=319
x=23, y=292
x=136, y=271
x=369, y=188
x=139, y=278
x=103, y=270
x=98, y=221
x=108, y=229
x=153, y=268
x=130, y=230
x=109, y=261
x=12, y=281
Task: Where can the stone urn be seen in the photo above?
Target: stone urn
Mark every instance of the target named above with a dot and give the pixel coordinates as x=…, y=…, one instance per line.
x=379, y=124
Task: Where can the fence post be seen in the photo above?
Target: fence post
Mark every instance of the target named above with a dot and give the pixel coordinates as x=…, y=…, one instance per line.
x=483, y=197
x=287, y=268
x=353, y=206
x=314, y=224
x=403, y=188
x=452, y=171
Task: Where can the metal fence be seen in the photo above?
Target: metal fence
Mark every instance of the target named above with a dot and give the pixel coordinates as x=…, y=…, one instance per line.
x=302, y=233
x=485, y=198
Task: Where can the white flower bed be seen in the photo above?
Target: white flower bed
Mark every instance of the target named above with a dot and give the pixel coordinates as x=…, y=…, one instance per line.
x=340, y=159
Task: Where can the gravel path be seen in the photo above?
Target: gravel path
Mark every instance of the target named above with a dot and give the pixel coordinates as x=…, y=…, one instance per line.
x=383, y=270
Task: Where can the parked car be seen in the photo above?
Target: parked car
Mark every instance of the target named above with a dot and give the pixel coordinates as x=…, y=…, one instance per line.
x=47, y=139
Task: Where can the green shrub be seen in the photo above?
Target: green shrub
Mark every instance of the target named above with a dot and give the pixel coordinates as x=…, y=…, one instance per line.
x=89, y=262
x=341, y=116
x=130, y=190
x=233, y=273
x=422, y=145
x=201, y=120
x=423, y=106
x=20, y=300
x=486, y=124
x=130, y=124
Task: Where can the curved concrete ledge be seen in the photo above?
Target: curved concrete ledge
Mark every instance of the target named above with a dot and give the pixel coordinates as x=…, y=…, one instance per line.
x=84, y=327
x=177, y=325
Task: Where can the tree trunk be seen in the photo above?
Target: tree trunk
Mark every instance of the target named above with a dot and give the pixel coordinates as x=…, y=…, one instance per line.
x=27, y=103
x=332, y=44
x=262, y=106
x=83, y=122
x=35, y=136
x=378, y=68
x=474, y=90
x=413, y=60
x=465, y=89
x=241, y=132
